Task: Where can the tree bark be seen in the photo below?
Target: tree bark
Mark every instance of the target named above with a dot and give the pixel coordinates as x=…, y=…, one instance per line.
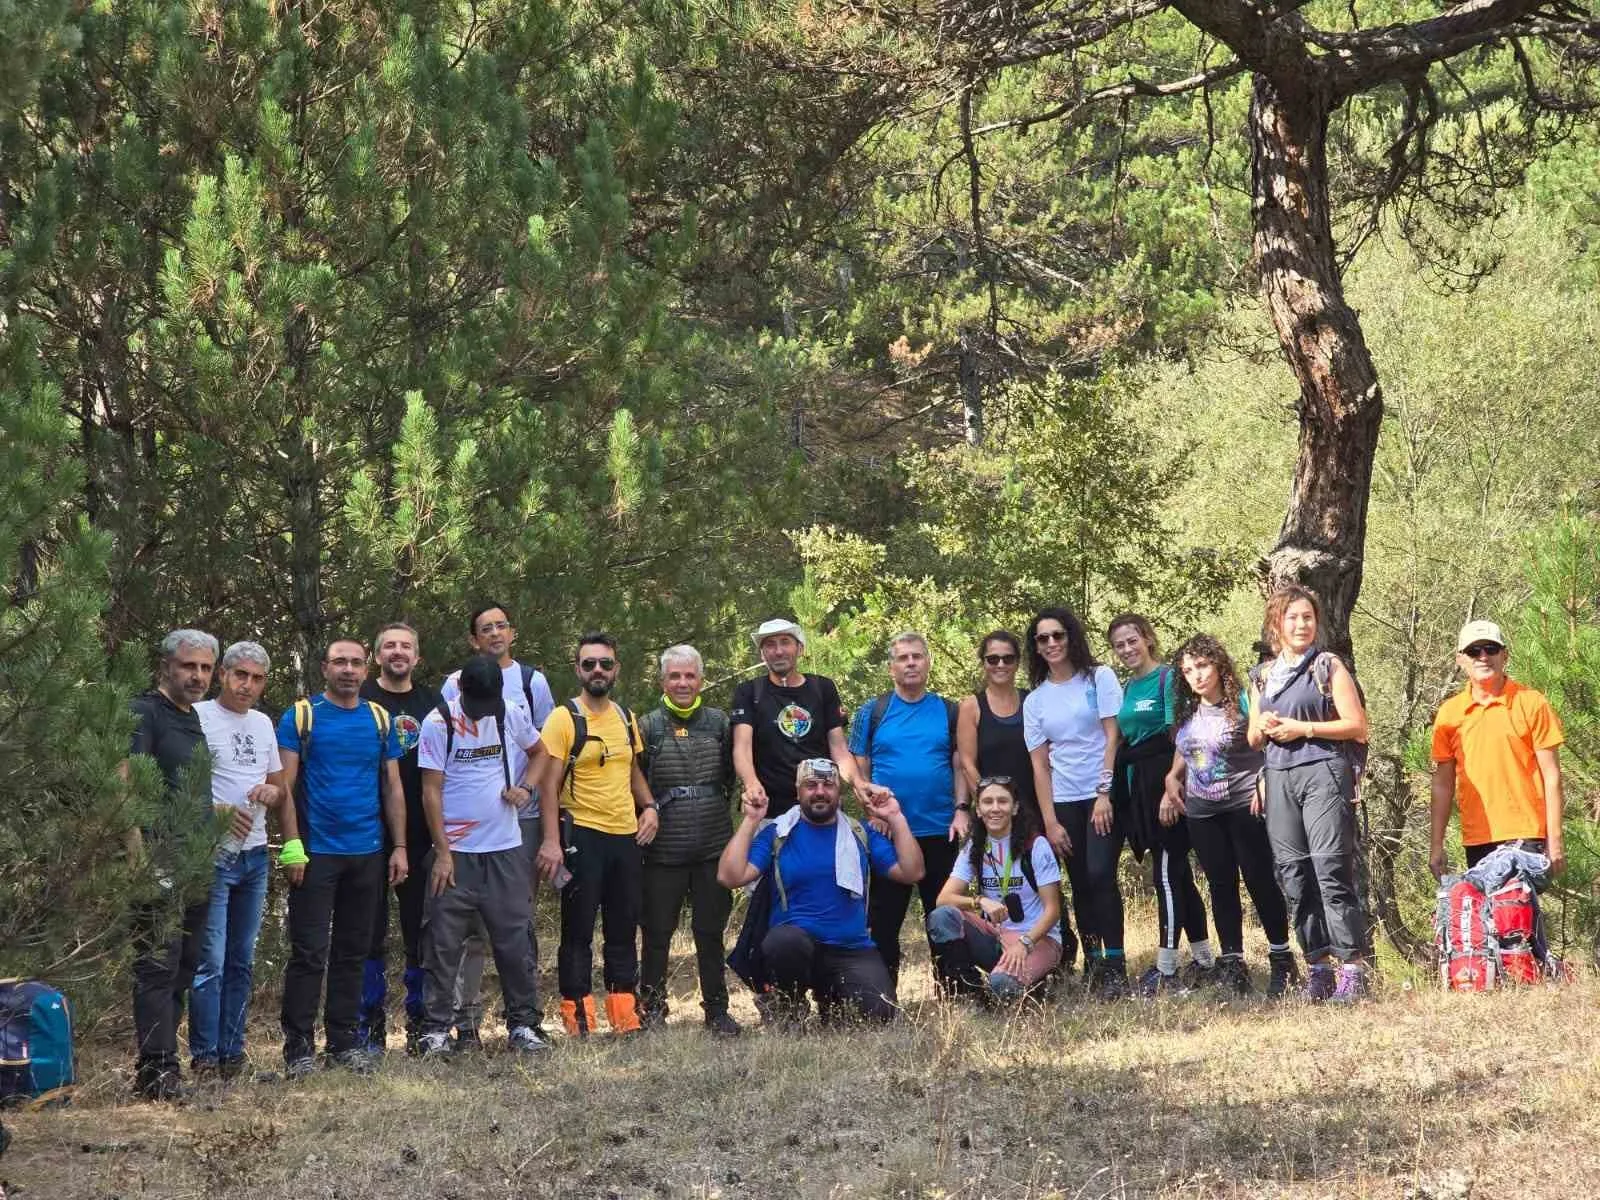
x=1340, y=406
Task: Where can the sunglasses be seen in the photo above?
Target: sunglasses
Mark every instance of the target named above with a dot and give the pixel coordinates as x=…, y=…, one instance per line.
x=821, y=768
x=1000, y=660
x=994, y=781
x=589, y=664
x=1482, y=650
x=1052, y=635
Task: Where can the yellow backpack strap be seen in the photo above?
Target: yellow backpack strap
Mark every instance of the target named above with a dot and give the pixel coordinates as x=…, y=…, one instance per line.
x=380, y=714
x=302, y=724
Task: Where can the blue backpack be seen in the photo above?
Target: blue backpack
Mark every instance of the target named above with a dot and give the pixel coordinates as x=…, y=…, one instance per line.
x=35, y=1041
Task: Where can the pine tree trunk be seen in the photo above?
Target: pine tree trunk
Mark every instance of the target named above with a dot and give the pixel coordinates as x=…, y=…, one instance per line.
x=1340, y=405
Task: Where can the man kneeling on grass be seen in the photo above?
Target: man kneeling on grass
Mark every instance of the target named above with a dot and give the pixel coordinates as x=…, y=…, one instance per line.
x=477, y=867
x=821, y=862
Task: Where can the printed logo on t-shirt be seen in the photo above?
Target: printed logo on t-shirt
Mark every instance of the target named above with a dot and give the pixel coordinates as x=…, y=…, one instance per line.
x=1145, y=705
x=454, y=831
x=409, y=730
x=244, y=748
x=794, y=722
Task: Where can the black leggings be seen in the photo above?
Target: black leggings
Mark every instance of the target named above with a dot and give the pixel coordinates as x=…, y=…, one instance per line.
x=1230, y=844
x=1092, y=871
x=887, y=905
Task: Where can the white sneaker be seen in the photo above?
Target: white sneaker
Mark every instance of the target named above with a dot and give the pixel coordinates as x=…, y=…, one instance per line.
x=527, y=1039
x=434, y=1045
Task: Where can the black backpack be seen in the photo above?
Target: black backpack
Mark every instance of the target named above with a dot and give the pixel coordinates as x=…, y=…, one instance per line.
x=499, y=715
x=880, y=705
x=581, y=736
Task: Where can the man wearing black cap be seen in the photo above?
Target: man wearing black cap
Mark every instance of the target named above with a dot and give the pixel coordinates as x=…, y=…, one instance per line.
x=477, y=868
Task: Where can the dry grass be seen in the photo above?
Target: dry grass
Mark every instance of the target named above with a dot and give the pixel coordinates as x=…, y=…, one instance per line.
x=1416, y=1095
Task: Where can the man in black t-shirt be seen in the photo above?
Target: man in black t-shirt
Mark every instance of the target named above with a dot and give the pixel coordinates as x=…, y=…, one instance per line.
x=397, y=651
x=783, y=718
x=168, y=730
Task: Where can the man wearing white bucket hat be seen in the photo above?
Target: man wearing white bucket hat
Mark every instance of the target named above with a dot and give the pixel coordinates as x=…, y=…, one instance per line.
x=782, y=718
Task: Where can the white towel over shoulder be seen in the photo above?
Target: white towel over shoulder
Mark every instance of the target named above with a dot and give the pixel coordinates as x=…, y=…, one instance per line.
x=846, y=850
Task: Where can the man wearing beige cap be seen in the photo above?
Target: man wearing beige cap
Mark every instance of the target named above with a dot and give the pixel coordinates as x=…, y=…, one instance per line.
x=1496, y=753
x=782, y=718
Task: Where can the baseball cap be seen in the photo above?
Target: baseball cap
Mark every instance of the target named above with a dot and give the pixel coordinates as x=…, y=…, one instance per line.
x=776, y=626
x=480, y=686
x=1479, y=631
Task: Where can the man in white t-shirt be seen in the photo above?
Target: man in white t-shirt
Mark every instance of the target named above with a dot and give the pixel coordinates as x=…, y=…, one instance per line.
x=477, y=871
x=490, y=631
x=247, y=779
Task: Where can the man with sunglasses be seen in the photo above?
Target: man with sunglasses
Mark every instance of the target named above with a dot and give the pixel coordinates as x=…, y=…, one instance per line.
x=595, y=778
x=1496, y=753
x=822, y=863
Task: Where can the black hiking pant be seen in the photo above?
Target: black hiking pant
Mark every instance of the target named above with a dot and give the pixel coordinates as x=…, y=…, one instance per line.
x=607, y=874
x=330, y=932
x=889, y=901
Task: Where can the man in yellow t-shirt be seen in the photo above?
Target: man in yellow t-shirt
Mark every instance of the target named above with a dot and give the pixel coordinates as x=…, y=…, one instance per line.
x=594, y=777
x=1496, y=754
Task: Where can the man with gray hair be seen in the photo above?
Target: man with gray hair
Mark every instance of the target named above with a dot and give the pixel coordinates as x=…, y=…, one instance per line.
x=688, y=765
x=167, y=729
x=246, y=780
x=907, y=743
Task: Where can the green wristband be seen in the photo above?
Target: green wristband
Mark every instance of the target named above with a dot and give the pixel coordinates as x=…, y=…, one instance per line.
x=293, y=854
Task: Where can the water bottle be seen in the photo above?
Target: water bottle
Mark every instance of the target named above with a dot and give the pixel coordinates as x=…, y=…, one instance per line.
x=233, y=844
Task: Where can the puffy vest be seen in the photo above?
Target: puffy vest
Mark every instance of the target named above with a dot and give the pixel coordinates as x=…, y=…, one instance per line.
x=689, y=767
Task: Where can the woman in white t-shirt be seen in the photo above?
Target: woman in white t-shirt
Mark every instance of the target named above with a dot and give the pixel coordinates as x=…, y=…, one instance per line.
x=1000, y=909
x=1069, y=723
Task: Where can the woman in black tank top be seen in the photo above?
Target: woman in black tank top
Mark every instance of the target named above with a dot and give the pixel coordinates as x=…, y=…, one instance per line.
x=990, y=742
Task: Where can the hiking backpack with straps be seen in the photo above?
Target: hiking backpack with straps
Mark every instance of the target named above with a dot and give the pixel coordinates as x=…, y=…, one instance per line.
x=581, y=737
x=1485, y=939
x=499, y=716
x=304, y=720
x=880, y=705
x=778, y=840
x=1321, y=668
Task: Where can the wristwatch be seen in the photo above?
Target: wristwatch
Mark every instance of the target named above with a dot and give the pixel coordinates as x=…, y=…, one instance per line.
x=1027, y=942
x=964, y=806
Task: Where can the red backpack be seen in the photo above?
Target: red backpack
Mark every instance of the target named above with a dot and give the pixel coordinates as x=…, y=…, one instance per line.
x=1485, y=940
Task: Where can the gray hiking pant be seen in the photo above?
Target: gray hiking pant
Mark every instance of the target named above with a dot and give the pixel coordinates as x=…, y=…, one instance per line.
x=1311, y=822
x=490, y=888
x=468, y=991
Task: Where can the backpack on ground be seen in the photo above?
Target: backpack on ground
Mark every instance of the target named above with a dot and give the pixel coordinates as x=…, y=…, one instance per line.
x=1514, y=915
x=36, y=1050
x=1488, y=939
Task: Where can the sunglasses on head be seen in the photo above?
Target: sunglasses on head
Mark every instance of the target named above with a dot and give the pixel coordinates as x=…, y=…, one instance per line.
x=821, y=768
x=1483, y=650
x=994, y=781
x=589, y=664
x=1000, y=660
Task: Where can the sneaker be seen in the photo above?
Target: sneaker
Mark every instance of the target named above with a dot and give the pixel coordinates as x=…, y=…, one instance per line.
x=203, y=1070
x=1232, y=976
x=468, y=1039
x=357, y=1060
x=1285, y=973
x=1154, y=982
x=1194, y=976
x=722, y=1024
x=1320, y=983
x=653, y=1019
x=300, y=1068
x=1352, y=986
x=434, y=1045
x=527, y=1039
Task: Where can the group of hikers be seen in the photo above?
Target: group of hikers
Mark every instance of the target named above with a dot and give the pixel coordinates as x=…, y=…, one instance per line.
x=462, y=801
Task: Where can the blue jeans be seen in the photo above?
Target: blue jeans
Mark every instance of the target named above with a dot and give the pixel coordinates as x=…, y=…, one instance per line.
x=220, y=997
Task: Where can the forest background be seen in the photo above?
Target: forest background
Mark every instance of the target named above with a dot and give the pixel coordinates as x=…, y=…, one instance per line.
x=666, y=317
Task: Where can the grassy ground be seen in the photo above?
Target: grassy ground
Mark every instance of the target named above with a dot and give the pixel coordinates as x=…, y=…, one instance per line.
x=1417, y=1095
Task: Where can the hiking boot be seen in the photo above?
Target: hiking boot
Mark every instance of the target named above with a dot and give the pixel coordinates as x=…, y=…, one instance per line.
x=1155, y=983
x=526, y=1039
x=1232, y=976
x=653, y=1019
x=300, y=1068
x=356, y=1060
x=1352, y=986
x=578, y=1016
x=159, y=1080
x=1285, y=973
x=229, y=1069
x=1111, y=982
x=622, y=1012
x=203, y=1071
x=468, y=1040
x=1321, y=981
x=434, y=1045
x=1194, y=976
x=722, y=1024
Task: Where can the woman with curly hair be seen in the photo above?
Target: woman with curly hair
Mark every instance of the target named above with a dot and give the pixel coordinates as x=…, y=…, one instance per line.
x=1214, y=786
x=1305, y=712
x=1069, y=722
x=998, y=911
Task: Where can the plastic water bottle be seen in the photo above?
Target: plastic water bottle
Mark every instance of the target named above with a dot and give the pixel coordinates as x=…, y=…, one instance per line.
x=233, y=844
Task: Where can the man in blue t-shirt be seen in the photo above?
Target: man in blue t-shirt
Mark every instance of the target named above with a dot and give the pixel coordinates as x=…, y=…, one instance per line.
x=341, y=763
x=905, y=741
x=821, y=864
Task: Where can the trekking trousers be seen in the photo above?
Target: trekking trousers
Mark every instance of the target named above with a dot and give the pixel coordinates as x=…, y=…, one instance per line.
x=607, y=871
x=853, y=980
x=664, y=891
x=1311, y=821
x=330, y=931
x=491, y=887
x=1092, y=870
x=468, y=991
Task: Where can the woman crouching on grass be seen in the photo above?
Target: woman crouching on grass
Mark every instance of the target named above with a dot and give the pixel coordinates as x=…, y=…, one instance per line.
x=1213, y=784
x=1304, y=712
x=1007, y=927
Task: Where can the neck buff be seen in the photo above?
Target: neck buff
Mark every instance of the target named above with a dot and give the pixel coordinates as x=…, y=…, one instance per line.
x=683, y=714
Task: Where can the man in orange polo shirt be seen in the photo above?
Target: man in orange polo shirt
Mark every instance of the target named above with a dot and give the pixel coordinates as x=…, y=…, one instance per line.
x=1496, y=747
